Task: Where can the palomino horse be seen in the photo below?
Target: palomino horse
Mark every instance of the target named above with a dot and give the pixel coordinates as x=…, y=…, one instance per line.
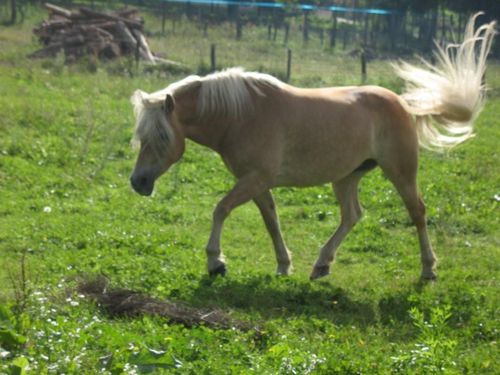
x=269, y=134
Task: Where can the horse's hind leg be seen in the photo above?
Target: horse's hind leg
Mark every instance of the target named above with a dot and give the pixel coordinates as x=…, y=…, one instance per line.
x=346, y=191
x=267, y=209
x=404, y=179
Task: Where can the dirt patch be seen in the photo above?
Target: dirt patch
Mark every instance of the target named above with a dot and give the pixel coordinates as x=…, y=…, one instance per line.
x=118, y=302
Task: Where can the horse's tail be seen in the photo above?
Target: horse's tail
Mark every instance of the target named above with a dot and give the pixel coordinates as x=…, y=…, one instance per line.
x=446, y=98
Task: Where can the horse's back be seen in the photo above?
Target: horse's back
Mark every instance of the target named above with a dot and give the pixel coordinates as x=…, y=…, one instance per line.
x=327, y=133
x=312, y=136
x=349, y=114
x=371, y=113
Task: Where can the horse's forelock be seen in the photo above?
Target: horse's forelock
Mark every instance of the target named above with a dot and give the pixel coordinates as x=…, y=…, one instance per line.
x=151, y=126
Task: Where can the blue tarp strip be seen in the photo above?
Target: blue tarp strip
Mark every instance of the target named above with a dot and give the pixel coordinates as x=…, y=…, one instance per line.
x=281, y=5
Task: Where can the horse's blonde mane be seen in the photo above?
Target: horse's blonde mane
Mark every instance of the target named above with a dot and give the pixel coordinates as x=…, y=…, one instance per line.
x=226, y=93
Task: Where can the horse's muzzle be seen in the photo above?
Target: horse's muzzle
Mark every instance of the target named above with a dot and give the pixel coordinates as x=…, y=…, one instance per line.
x=142, y=184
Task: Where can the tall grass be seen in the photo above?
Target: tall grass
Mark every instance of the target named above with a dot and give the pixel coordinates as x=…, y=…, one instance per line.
x=66, y=204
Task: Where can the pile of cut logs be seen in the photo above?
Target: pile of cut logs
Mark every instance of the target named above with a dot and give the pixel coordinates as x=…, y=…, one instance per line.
x=85, y=31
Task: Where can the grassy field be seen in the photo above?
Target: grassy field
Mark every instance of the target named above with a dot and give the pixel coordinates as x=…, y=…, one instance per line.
x=67, y=213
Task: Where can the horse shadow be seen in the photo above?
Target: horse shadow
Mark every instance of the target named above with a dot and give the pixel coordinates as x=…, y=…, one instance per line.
x=279, y=297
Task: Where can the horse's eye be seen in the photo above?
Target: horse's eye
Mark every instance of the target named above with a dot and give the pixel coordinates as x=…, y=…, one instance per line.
x=164, y=137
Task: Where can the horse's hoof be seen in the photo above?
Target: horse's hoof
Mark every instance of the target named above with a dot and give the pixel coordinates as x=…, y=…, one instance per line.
x=284, y=270
x=319, y=271
x=282, y=274
x=219, y=270
x=428, y=277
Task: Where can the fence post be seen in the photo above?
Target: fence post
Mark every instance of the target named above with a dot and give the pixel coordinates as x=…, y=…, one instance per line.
x=365, y=31
x=163, y=18
x=363, y=66
x=288, y=65
x=13, y=12
x=305, y=27
x=238, y=21
x=333, y=31
x=213, y=65
x=239, y=28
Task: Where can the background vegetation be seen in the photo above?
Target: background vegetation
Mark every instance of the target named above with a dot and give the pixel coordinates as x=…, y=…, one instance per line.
x=380, y=27
x=67, y=213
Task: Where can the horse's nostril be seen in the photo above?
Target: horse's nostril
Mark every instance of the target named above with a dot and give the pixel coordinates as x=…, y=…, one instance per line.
x=142, y=184
x=138, y=182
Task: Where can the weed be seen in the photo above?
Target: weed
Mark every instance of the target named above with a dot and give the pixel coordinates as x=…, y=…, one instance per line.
x=434, y=352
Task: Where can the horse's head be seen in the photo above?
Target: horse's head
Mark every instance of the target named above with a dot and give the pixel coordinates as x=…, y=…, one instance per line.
x=159, y=138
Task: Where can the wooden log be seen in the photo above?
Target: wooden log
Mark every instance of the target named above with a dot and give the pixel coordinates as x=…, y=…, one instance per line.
x=144, y=47
x=108, y=50
x=57, y=18
x=72, y=53
x=86, y=31
x=56, y=22
x=74, y=40
x=129, y=13
x=161, y=60
x=103, y=32
x=47, y=29
x=105, y=25
x=54, y=9
x=49, y=51
x=78, y=16
x=93, y=13
x=124, y=36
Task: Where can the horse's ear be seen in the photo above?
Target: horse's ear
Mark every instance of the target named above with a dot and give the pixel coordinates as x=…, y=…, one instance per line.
x=169, y=104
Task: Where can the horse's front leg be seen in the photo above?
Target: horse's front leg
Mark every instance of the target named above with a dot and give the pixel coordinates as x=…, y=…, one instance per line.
x=267, y=208
x=247, y=188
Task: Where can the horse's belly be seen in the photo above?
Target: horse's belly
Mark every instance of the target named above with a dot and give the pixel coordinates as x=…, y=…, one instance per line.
x=302, y=180
x=329, y=158
x=315, y=172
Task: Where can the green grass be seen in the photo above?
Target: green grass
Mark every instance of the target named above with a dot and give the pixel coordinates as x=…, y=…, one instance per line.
x=67, y=206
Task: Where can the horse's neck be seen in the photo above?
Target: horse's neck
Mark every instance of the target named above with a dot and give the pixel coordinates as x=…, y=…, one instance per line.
x=209, y=129
x=186, y=99
x=209, y=133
